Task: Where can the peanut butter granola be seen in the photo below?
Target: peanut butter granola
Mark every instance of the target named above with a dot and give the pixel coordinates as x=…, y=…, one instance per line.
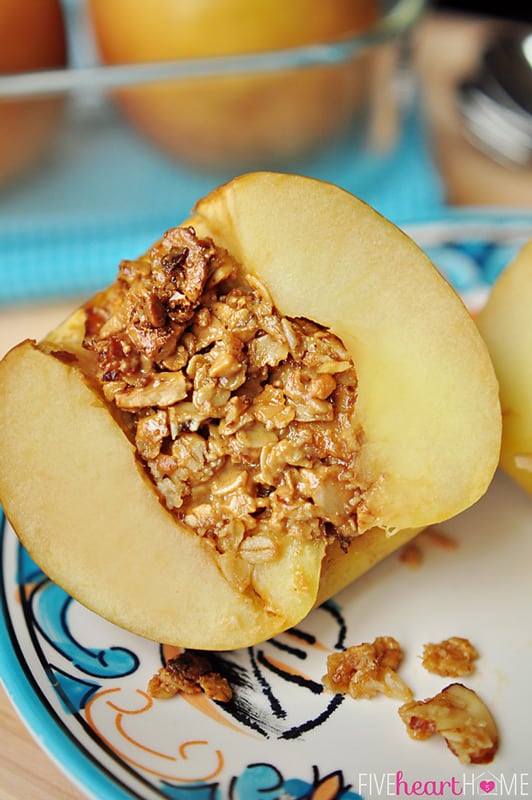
x=461, y=717
x=240, y=416
x=189, y=673
x=453, y=657
x=367, y=669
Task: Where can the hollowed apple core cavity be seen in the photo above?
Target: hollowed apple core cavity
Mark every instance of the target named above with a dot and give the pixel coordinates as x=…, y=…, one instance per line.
x=242, y=418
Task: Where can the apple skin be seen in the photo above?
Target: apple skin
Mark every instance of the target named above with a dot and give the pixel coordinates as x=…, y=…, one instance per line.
x=235, y=121
x=505, y=322
x=32, y=37
x=76, y=495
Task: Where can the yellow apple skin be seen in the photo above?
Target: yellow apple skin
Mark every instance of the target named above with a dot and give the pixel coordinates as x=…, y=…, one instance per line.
x=237, y=120
x=84, y=508
x=505, y=322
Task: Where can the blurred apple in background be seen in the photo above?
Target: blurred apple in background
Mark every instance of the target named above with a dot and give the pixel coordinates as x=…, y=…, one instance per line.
x=32, y=37
x=240, y=120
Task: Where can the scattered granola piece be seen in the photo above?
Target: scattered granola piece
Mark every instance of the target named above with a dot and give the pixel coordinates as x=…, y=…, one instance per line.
x=453, y=657
x=366, y=669
x=411, y=555
x=461, y=717
x=189, y=673
x=439, y=539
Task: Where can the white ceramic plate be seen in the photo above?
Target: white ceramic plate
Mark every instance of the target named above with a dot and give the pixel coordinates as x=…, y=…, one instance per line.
x=80, y=682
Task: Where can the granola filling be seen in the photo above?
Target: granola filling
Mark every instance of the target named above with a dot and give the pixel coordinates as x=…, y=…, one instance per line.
x=242, y=417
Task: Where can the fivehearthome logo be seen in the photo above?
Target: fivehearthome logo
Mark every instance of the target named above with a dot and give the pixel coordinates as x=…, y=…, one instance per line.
x=474, y=785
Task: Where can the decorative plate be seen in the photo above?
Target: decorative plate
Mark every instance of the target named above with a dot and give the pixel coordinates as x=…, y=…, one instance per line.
x=80, y=683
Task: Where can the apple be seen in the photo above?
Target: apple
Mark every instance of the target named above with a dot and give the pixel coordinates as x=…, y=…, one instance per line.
x=32, y=37
x=242, y=119
x=426, y=426
x=505, y=324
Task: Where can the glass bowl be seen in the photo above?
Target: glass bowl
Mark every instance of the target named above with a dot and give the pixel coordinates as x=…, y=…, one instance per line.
x=132, y=146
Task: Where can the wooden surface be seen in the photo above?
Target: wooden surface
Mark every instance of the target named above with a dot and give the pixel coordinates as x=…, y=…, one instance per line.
x=445, y=48
x=26, y=772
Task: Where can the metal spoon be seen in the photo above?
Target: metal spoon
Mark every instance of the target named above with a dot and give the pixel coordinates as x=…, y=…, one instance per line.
x=496, y=102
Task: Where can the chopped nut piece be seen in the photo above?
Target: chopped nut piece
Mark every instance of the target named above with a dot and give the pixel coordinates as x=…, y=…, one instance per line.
x=266, y=350
x=365, y=670
x=189, y=673
x=451, y=658
x=461, y=717
x=151, y=431
x=165, y=389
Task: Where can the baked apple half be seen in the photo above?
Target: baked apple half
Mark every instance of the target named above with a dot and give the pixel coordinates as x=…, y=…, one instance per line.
x=277, y=395
x=506, y=324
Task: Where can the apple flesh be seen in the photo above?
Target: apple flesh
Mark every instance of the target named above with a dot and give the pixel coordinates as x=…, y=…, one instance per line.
x=89, y=515
x=505, y=324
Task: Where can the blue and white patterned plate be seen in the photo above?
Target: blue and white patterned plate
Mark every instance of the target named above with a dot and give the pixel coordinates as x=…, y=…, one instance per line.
x=80, y=683
x=472, y=247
